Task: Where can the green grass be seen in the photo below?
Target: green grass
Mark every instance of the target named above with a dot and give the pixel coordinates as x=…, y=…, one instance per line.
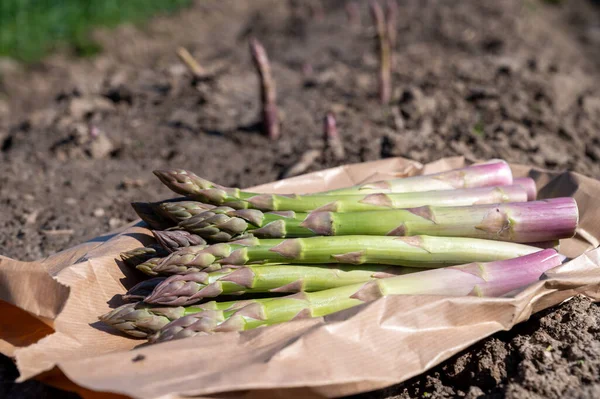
x=31, y=29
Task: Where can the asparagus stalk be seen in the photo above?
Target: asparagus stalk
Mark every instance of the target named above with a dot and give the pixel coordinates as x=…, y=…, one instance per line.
x=148, y=266
x=224, y=224
x=391, y=19
x=267, y=89
x=479, y=279
x=187, y=183
x=529, y=185
x=147, y=212
x=140, y=255
x=140, y=320
x=554, y=244
x=180, y=261
x=523, y=222
x=495, y=173
x=414, y=251
x=383, y=44
x=152, y=212
x=190, y=62
x=181, y=290
x=142, y=289
x=190, y=259
x=181, y=210
x=172, y=240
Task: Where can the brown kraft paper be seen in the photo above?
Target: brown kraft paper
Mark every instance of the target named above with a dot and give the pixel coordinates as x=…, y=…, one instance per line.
x=50, y=309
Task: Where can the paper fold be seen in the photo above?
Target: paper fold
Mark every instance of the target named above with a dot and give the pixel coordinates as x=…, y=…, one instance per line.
x=369, y=347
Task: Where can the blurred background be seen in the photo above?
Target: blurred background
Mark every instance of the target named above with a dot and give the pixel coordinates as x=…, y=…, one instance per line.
x=32, y=29
x=95, y=94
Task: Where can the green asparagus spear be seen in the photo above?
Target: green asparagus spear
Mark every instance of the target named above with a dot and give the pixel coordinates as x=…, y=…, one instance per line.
x=187, y=183
x=151, y=212
x=480, y=279
x=176, y=239
x=140, y=255
x=140, y=320
x=180, y=290
x=181, y=210
x=142, y=289
x=413, y=251
x=516, y=222
x=495, y=173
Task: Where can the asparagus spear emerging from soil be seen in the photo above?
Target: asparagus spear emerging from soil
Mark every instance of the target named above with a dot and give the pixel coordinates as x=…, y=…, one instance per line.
x=191, y=63
x=189, y=184
x=414, y=251
x=173, y=240
x=267, y=89
x=494, y=173
x=383, y=44
x=391, y=19
x=332, y=137
x=478, y=279
x=306, y=161
x=523, y=222
x=190, y=288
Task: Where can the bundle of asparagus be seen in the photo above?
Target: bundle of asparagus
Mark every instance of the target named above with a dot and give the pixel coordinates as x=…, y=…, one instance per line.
x=469, y=231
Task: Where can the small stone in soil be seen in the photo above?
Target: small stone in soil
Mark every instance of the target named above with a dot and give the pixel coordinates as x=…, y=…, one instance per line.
x=100, y=146
x=115, y=222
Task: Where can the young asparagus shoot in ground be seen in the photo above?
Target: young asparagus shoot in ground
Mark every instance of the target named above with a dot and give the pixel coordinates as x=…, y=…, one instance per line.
x=332, y=137
x=383, y=44
x=268, y=96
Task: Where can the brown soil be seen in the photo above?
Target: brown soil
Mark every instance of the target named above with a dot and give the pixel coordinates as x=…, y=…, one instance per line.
x=509, y=79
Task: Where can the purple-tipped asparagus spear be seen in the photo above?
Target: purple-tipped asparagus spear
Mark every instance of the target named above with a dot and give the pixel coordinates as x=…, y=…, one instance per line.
x=189, y=184
x=533, y=221
x=149, y=215
x=140, y=255
x=173, y=240
x=410, y=251
x=493, y=173
x=183, y=290
x=142, y=289
x=478, y=279
x=267, y=89
x=175, y=210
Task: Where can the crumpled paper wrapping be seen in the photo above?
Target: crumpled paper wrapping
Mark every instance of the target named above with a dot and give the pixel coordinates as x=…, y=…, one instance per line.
x=50, y=309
